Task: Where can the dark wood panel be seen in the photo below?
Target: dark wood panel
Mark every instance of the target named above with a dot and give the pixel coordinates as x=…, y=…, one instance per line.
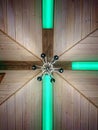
x=1, y=76
x=47, y=42
x=18, y=65
x=3, y=14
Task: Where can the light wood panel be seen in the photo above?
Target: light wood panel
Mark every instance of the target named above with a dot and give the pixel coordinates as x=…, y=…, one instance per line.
x=74, y=20
x=72, y=111
x=10, y=50
x=13, y=81
x=85, y=50
x=21, y=20
x=85, y=82
x=23, y=110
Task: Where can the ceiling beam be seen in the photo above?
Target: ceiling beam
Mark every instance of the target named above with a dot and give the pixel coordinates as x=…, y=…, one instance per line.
x=18, y=65
x=27, y=65
x=48, y=42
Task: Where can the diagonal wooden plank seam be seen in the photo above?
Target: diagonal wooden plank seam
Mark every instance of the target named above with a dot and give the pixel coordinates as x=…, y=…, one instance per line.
x=78, y=91
x=76, y=43
x=19, y=88
x=20, y=44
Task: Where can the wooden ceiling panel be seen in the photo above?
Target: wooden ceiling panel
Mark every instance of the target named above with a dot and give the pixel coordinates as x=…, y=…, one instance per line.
x=86, y=50
x=71, y=109
x=14, y=81
x=12, y=51
x=86, y=82
x=21, y=20
x=73, y=21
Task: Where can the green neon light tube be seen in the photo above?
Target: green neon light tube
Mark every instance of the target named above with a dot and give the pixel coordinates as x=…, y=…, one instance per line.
x=47, y=14
x=84, y=65
x=47, y=103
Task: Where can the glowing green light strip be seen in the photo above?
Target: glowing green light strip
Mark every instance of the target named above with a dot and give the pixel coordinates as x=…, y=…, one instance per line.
x=47, y=13
x=84, y=65
x=47, y=103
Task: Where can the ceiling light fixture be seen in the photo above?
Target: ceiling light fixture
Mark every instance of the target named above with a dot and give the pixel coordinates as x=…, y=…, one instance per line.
x=47, y=14
x=47, y=68
x=84, y=65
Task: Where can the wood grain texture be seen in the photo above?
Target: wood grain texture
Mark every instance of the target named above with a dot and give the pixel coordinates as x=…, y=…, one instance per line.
x=3, y=10
x=74, y=20
x=1, y=76
x=23, y=110
x=85, y=82
x=47, y=42
x=10, y=50
x=13, y=81
x=72, y=111
x=85, y=50
x=18, y=65
x=21, y=20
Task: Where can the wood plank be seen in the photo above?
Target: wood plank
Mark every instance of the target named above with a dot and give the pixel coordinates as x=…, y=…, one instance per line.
x=58, y=104
x=3, y=117
x=86, y=19
x=84, y=114
x=78, y=20
x=2, y=14
x=96, y=10
x=67, y=107
x=19, y=20
x=76, y=110
x=93, y=15
x=18, y=65
x=47, y=42
x=19, y=110
x=93, y=117
x=11, y=18
x=11, y=113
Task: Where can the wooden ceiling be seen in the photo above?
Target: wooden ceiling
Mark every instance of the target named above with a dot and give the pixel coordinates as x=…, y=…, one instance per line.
x=13, y=81
x=10, y=50
x=74, y=38
x=85, y=50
